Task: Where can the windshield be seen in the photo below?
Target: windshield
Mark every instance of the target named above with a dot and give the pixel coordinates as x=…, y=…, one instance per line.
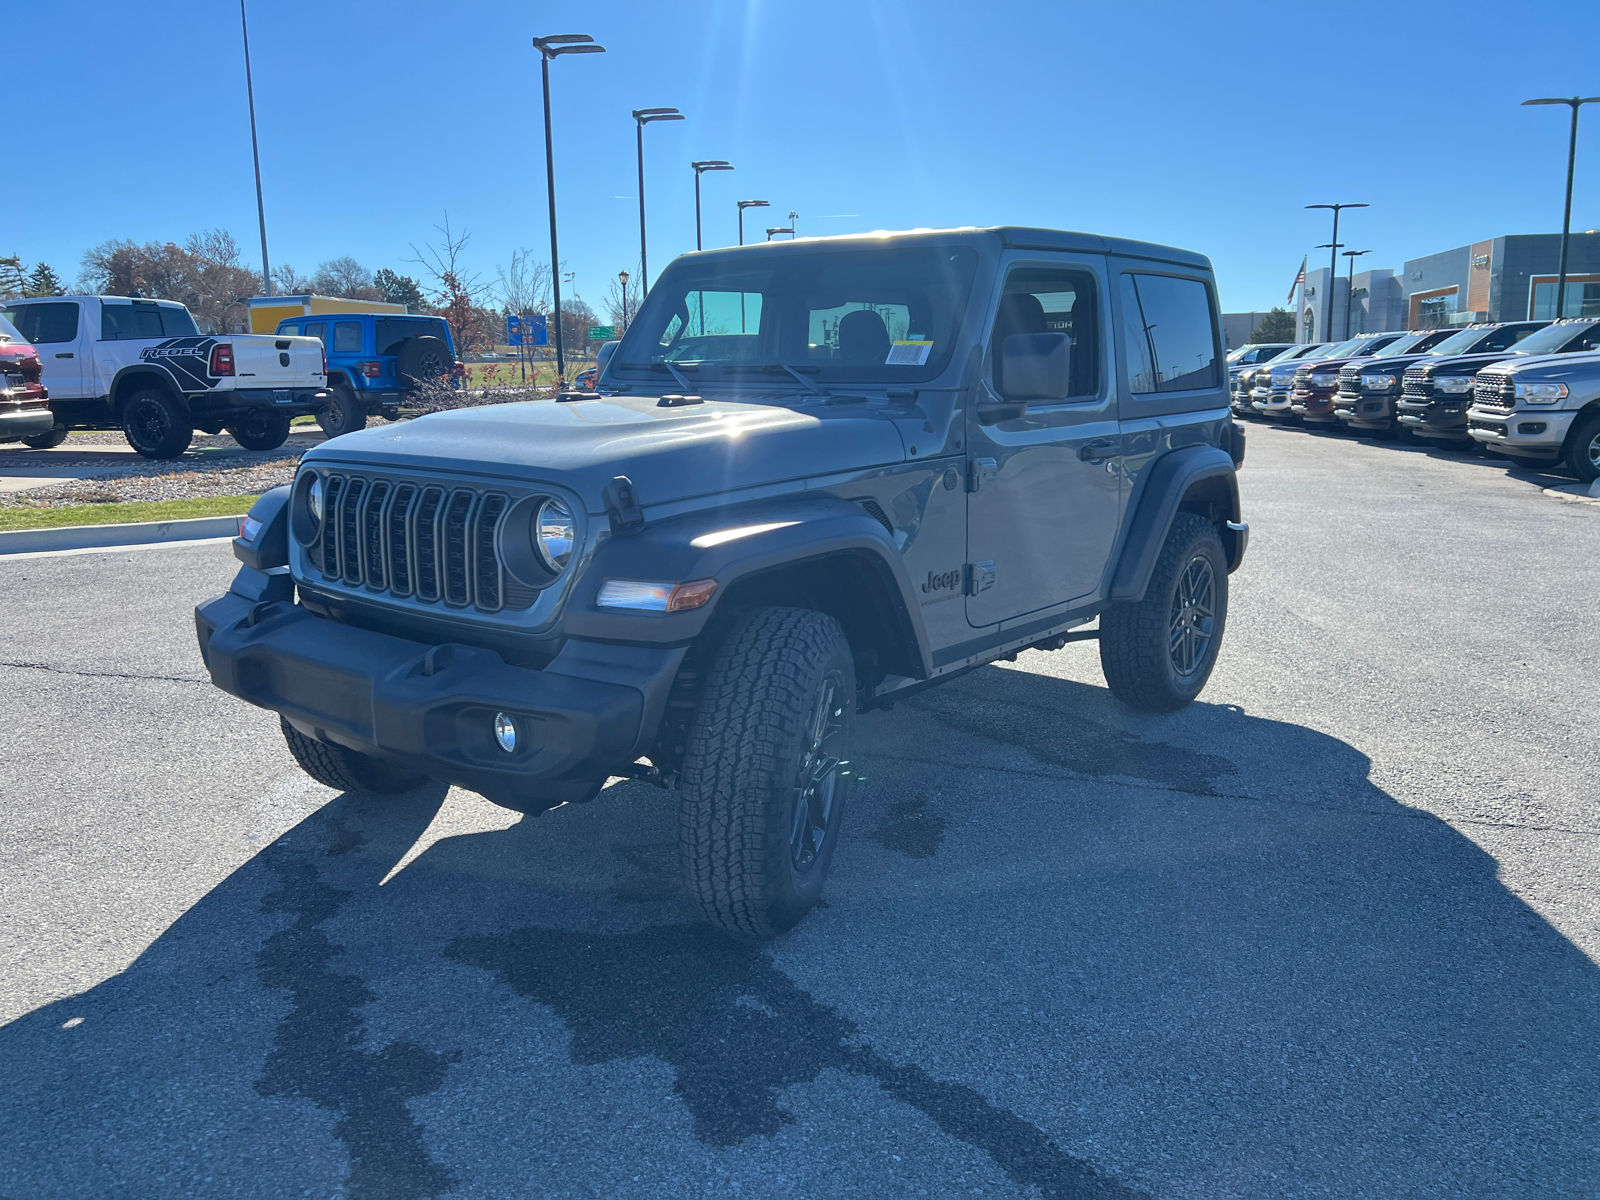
x=1339, y=349
x=875, y=315
x=1552, y=339
x=8, y=332
x=1459, y=343
x=1403, y=345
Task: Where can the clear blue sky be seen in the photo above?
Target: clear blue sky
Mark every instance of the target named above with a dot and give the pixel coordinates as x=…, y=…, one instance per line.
x=1154, y=121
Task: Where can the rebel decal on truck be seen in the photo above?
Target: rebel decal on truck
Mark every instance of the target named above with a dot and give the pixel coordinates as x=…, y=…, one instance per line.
x=186, y=359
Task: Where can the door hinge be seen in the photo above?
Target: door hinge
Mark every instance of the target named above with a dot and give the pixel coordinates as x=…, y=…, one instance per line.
x=980, y=577
x=978, y=470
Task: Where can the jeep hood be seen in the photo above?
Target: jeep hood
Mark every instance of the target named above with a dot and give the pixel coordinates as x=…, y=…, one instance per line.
x=670, y=454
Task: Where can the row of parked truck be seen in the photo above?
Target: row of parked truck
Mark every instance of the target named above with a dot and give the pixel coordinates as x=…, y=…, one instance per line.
x=1527, y=389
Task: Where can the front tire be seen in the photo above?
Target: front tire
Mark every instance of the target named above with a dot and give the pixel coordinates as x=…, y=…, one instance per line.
x=157, y=424
x=343, y=414
x=261, y=429
x=345, y=769
x=1583, y=449
x=1158, y=652
x=767, y=771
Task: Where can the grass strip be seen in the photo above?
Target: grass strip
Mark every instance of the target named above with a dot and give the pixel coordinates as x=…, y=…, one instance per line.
x=124, y=513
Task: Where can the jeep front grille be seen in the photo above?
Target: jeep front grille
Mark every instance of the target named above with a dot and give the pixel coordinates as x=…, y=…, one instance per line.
x=418, y=541
x=1494, y=391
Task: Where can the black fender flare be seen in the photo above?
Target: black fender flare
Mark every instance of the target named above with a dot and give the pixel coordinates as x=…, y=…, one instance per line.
x=769, y=537
x=1167, y=483
x=127, y=378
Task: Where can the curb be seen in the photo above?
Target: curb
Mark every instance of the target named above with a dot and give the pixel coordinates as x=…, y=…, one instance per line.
x=141, y=533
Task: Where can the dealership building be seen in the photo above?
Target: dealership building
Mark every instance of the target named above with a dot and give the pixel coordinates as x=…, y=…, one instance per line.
x=1511, y=278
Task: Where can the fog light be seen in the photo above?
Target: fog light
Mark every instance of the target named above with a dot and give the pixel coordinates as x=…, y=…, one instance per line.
x=505, y=732
x=1531, y=427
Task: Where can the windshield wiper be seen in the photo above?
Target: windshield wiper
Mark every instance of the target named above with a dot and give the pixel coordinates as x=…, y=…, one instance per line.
x=683, y=380
x=773, y=369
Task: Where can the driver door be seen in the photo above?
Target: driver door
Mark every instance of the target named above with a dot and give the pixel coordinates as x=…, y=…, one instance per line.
x=1045, y=490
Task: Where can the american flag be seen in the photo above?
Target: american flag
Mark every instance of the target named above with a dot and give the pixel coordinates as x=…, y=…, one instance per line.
x=1298, y=279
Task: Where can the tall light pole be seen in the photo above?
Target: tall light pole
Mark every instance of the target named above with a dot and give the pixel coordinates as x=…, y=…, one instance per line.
x=551, y=47
x=1350, y=288
x=261, y=208
x=622, y=277
x=744, y=204
x=641, y=118
x=1333, y=256
x=792, y=216
x=1576, y=102
x=1333, y=283
x=710, y=164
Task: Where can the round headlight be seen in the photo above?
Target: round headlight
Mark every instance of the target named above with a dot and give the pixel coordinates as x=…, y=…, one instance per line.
x=314, y=498
x=554, y=532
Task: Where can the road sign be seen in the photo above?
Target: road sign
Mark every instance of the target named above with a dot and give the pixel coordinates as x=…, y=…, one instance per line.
x=602, y=333
x=533, y=328
x=513, y=331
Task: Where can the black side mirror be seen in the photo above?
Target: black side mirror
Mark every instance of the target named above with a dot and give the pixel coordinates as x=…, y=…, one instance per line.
x=1036, y=366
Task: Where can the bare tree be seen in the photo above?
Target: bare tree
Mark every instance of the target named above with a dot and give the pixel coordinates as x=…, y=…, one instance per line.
x=344, y=276
x=524, y=286
x=459, y=293
x=204, y=273
x=290, y=282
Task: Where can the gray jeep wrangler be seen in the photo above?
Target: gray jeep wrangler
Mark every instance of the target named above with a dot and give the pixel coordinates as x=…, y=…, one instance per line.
x=816, y=477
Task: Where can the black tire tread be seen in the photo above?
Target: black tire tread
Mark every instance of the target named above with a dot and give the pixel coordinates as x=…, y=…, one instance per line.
x=755, y=700
x=1583, y=431
x=48, y=440
x=346, y=770
x=1133, y=636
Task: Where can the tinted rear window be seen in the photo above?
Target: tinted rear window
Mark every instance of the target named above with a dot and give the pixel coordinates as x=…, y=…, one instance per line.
x=391, y=331
x=1178, y=349
x=120, y=322
x=42, y=324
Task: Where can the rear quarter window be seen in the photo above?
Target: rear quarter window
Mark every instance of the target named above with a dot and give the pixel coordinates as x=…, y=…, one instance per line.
x=1172, y=344
x=391, y=331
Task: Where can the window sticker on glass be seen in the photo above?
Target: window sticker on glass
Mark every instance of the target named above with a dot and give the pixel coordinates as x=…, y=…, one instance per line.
x=908, y=354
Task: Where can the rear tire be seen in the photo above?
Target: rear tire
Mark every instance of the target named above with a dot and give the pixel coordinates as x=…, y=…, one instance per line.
x=1583, y=448
x=262, y=429
x=1158, y=652
x=48, y=440
x=343, y=413
x=767, y=771
x=422, y=359
x=156, y=424
x=346, y=769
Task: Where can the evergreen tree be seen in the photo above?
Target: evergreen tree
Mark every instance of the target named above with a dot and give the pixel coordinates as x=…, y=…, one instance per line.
x=1276, y=326
x=399, y=289
x=43, y=281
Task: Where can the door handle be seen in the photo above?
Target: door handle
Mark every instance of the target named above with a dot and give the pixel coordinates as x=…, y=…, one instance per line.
x=68, y=354
x=1097, y=451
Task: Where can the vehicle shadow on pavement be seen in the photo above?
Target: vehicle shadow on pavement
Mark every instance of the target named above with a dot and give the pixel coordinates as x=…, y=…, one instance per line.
x=1067, y=952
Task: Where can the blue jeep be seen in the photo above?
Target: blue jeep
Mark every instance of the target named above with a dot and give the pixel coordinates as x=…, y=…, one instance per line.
x=375, y=361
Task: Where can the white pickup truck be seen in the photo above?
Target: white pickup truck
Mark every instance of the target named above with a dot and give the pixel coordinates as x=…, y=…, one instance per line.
x=142, y=366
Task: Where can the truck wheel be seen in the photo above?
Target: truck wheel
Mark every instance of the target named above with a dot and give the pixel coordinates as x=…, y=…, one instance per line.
x=156, y=424
x=346, y=769
x=1157, y=653
x=766, y=772
x=262, y=429
x=424, y=359
x=343, y=414
x=47, y=441
x=1583, y=449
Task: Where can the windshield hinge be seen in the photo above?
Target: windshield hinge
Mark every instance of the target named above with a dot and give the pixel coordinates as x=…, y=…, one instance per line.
x=622, y=506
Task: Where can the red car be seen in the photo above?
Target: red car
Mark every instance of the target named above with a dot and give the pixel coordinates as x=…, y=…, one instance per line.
x=25, y=414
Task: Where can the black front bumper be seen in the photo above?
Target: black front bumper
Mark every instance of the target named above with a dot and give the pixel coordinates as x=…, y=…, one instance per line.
x=1435, y=418
x=431, y=708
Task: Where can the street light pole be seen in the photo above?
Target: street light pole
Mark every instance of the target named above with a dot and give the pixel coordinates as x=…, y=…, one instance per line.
x=261, y=209
x=1333, y=257
x=710, y=164
x=552, y=47
x=1576, y=102
x=623, y=277
x=1350, y=288
x=778, y=229
x=744, y=204
x=792, y=216
x=641, y=118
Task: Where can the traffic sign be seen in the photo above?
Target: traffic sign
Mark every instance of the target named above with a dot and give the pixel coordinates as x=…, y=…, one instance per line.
x=602, y=333
x=533, y=328
x=513, y=331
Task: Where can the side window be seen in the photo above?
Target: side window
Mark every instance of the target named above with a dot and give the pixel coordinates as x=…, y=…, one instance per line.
x=44, y=324
x=120, y=322
x=1178, y=334
x=1590, y=339
x=347, y=337
x=318, y=330
x=1141, y=376
x=289, y=329
x=1052, y=300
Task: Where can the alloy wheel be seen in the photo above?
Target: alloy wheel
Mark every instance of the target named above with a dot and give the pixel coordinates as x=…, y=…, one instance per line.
x=1194, y=621
x=817, y=779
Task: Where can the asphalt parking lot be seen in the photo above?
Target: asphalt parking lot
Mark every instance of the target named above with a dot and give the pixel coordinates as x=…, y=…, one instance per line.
x=1331, y=931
